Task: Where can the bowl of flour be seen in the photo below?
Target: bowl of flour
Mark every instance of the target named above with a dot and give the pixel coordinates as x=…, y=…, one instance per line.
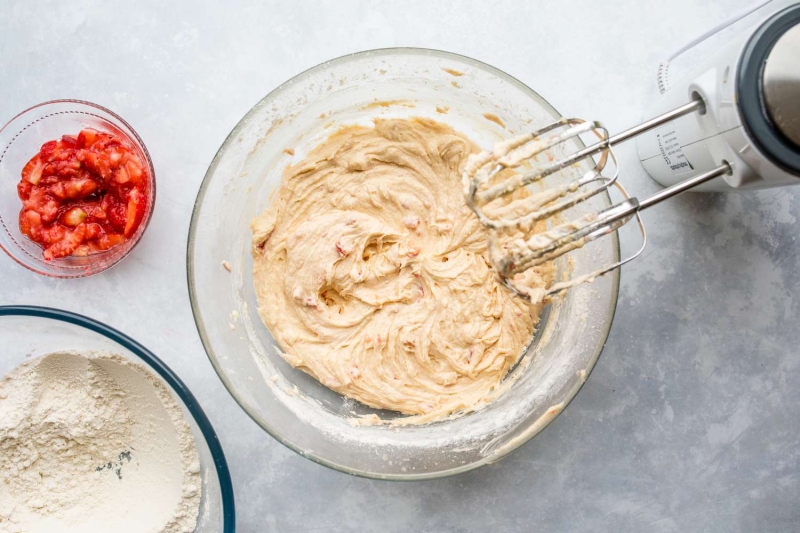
x=97, y=434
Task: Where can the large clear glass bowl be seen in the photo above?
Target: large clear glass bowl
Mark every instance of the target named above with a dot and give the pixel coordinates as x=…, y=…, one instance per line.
x=290, y=405
x=29, y=331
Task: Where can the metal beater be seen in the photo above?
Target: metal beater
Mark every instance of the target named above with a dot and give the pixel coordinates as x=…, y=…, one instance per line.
x=521, y=253
x=741, y=123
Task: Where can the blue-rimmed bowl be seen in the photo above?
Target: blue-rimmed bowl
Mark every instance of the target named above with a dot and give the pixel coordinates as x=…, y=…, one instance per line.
x=28, y=331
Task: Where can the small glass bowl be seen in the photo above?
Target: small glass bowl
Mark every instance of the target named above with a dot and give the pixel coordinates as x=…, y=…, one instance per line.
x=30, y=331
x=20, y=140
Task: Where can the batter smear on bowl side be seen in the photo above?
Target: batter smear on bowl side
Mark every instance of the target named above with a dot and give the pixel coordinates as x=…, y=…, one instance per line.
x=373, y=275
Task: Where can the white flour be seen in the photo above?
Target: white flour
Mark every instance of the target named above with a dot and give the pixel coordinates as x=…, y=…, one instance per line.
x=94, y=443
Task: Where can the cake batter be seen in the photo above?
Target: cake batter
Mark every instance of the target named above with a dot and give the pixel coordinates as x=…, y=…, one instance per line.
x=373, y=275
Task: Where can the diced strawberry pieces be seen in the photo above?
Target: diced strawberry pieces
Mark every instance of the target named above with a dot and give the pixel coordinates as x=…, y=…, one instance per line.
x=95, y=212
x=49, y=170
x=60, y=150
x=97, y=163
x=122, y=175
x=24, y=189
x=52, y=234
x=134, y=170
x=93, y=231
x=32, y=171
x=118, y=215
x=69, y=168
x=38, y=201
x=71, y=240
x=48, y=209
x=56, y=171
x=34, y=218
x=80, y=188
x=87, y=158
x=86, y=138
x=74, y=216
x=117, y=155
x=82, y=194
x=108, y=241
x=69, y=141
x=103, y=166
x=73, y=189
x=82, y=251
x=29, y=221
x=47, y=150
x=115, y=239
x=135, y=211
x=58, y=190
x=35, y=198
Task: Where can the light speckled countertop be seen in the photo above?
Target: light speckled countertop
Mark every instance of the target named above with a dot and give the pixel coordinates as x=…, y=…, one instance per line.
x=691, y=419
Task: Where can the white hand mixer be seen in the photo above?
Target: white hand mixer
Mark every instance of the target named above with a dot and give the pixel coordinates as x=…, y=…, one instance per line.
x=741, y=124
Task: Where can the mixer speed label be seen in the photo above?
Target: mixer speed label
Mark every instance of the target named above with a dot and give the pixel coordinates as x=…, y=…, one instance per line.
x=671, y=149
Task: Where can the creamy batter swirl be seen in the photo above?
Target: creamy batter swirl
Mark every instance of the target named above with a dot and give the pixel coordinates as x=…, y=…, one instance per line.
x=373, y=275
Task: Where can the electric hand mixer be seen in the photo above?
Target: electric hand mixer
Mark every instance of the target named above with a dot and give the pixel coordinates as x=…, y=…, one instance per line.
x=739, y=121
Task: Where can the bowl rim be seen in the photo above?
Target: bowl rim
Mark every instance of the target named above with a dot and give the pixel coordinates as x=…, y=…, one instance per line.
x=172, y=379
x=190, y=249
x=146, y=222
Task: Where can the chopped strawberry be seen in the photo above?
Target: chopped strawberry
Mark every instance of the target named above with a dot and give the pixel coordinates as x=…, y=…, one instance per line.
x=74, y=216
x=24, y=189
x=57, y=189
x=32, y=171
x=36, y=197
x=79, y=188
x=93, y=231
x=104, y=143
x=38, y=201
x=114, y=240
x=69, y=140
x=117, y=155
x=134, y=170
x=135, y=211
x=60, y=150
x=48, y=148
x=73, y=189
x=82, y=194
x=122, y=175
x=86, y=138
x=49, y=211
x=66, y=245
x=341, y=249
x=118, y=215
x=107, y=241
x=29, y=221
x=66, y=169
x=88, y=158
x=95, y=212
x=52, y=234
x=82, y=250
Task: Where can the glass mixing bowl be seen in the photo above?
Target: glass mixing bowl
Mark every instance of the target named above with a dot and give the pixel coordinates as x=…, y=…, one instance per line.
x=20, y=140
x=293, y=407
x=29, y=331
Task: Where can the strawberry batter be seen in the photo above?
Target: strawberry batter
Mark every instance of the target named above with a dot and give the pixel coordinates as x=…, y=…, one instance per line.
x=373, y=275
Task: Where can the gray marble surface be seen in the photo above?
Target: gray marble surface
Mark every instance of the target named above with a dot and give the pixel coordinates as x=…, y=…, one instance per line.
x=691, y=419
